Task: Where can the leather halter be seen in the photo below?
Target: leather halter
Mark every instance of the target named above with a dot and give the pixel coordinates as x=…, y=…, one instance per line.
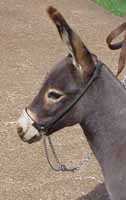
x=45, y=128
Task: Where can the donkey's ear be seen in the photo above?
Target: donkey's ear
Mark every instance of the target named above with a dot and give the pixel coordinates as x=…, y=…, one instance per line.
x=82, y=58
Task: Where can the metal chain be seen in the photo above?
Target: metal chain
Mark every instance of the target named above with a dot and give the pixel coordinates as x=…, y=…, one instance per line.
x=61, y=167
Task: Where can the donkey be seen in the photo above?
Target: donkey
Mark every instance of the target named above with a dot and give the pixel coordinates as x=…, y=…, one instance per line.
x=82, y=90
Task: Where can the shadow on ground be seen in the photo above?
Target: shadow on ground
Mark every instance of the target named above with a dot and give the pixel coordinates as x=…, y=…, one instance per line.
x=99, y=193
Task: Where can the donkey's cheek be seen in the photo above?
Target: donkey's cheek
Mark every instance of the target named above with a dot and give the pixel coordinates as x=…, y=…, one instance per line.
x=64, y=122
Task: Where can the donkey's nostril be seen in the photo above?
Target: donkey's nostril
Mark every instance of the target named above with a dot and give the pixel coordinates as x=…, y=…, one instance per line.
x=20, y=131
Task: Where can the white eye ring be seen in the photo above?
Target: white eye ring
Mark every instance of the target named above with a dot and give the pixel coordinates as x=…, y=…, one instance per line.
x=54, y=95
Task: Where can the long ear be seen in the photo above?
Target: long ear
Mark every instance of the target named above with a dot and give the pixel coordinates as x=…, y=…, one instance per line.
x=82, y=58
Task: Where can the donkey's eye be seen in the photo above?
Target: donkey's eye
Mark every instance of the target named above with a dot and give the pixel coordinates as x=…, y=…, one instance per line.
x=54, y=95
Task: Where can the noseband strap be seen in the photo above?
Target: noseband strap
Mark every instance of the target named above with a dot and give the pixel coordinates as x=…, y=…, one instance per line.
x=46, y=128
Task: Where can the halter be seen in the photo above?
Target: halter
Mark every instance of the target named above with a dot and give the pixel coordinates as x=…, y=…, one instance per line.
x=46, y=128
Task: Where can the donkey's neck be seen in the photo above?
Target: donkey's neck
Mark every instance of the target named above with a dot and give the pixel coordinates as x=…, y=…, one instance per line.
x=105, y=120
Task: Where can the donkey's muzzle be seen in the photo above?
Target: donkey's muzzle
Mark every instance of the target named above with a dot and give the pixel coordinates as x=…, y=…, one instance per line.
x=25, y=129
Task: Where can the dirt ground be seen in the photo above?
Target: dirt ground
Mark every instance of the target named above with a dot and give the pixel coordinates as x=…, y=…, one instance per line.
x=29, y=47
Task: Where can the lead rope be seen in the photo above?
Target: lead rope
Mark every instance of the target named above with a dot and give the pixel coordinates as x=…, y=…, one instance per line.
x=119, y=45
x=61, y=167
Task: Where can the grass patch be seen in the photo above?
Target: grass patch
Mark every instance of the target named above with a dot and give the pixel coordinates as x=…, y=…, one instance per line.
x=118, y=7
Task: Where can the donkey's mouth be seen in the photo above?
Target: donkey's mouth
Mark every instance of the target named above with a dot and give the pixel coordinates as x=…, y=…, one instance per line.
x=30, y=136
x=33, y=139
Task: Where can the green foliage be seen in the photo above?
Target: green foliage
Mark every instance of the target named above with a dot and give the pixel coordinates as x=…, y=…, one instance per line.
x=117, y=7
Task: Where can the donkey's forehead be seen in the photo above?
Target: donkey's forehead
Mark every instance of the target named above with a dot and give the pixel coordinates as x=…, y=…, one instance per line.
x=62, y=76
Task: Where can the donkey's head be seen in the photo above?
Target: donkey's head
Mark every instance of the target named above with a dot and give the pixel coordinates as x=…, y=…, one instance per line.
x=46, y=112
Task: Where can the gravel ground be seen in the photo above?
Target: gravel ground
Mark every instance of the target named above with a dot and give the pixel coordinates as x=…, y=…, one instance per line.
x=30, y=46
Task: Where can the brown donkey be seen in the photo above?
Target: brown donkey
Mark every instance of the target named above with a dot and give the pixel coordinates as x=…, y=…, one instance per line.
x=82, y=90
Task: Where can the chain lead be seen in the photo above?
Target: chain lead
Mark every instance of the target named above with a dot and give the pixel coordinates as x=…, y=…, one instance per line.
x=61, y=167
